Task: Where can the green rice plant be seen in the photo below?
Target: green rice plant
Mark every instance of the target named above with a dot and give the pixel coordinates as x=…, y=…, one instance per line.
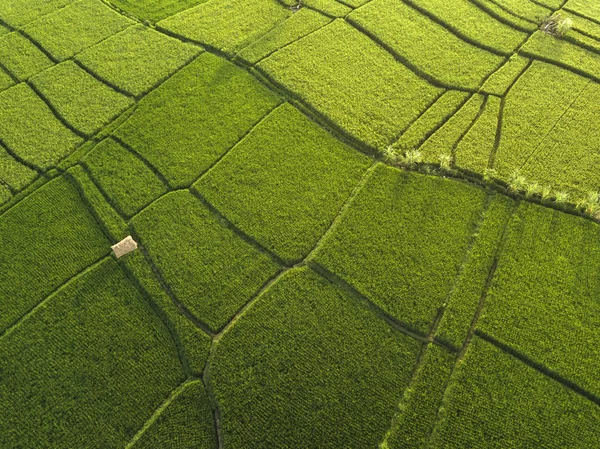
x=129, y=183
x=137, y=59
x=390, y=154
x=546, y=288
x=503, y=78
x=95, y=341
x=304, y=22
x=556, y=25
x=517, y=183
x=489, y=174
x=592, y=203
x=5, y=80
x=528, y=10
x=326, y=70
x=259, y=187
x=5, y=194
x=407, y=262
x=188, y=123
x=30, y=129
x=21, y=57
x=209, y=268
x=83, y=101
x=76, y=27
x=332, y=8
x=426, y=44
x=446, y=161
x=20, y=12
x=278, y=360
x=410, y=158
x=493, y=393
x=586, y=8
x=533, y=189
x=57, y=238
x=155, y=10
x=561, y=197
x=214, y=23
x=14, y=174
x=187, y=419
x=546, y=193
x=495, y=10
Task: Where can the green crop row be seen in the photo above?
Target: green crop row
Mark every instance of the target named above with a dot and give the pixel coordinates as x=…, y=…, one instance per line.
x=471, y=284
x=427, y=45
x=260, y=187
x=210, y=269
x=124, y=178
x=57, y=237
x=154, y=10
x=308, y=366
x=497, y=402
x=418, y=410
x=304, y=22
x=30, y=129
x=92, y=357
x=187, y=124
x=527, y=10
x=83, y=101
x=546, y=286
x=326, y=69
x=21, y=57
x=472, y=22
x=501, y=14
x=5, y=194
x=585, y=26
x=6, y=80
x=218, y=23
x=194, y=344
x=14, y=174
x=500, y=81
x=406, y=255
x=20, y=12
x=332, y=8
x=185, y=423
x=587, y=8
x=76, y=27
x=137, y=59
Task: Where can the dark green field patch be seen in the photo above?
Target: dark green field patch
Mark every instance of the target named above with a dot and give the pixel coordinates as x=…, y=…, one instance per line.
x=194, y=118
x=76, y=27
x=497, y=402
x=185, y=423
x=307, y=366
x=284, y=183
x=6, y=80
x=92, y=357
x=403, y=241
x=57, y=238
x=21, y=57
x=14, y=174
x=83, y=101
x=5, y=194
x=137, y=59
x=30, y=129
x=211, y=270
x=327, y=70
x=129, y=183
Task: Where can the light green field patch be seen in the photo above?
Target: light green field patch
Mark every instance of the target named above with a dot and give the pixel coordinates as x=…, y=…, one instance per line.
x=405, y=256
x=19, y=12
x=95, y=343
x=187, y=124
x=466, y=18
x=445, y=139
x=474, y=150
x=84, y=102
x=525, y=9
x=80, y=25
x=21, y=57
x=30, y=129
x=534, y=105
x=154, y=10
x=427, y=45
x=502, y=14
x=330, y=7
x=546, y=286
x=497, y=402
x=225, y=25
x=14, y=174
x=129, y=183
x=326, y=69
x=309, y=350
x=500, y=81
x=284, y=183
x=185, y=423
x=588, y=8
x=435, y=116
x=6, y=80
x=304, y=22
x=57, y=238
x=137, y=59
x=209, y=268
x=586, y=26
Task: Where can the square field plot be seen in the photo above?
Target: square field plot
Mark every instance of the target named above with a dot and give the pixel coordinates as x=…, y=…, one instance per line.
x=403, y=240
x=308, y=350
x=188, y=123
x=137, y=59
x=30, y=129
x=84, y=102
x=21, y=57
x=80, y=25
x=127, y=181
x=327, y=70
x=209, y=268
x=285, y=182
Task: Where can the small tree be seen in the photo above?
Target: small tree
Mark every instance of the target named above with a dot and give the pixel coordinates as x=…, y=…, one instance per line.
x=556, y=25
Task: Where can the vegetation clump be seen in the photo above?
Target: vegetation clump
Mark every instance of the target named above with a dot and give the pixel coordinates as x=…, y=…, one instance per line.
x=556, y=25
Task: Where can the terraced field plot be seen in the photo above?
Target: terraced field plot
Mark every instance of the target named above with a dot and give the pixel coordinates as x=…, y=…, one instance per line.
x=360, y=224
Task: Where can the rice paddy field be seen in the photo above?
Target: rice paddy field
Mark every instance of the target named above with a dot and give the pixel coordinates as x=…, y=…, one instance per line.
x=360, y=224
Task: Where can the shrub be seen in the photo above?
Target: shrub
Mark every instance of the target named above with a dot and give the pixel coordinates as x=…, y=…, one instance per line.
x=556, y=25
